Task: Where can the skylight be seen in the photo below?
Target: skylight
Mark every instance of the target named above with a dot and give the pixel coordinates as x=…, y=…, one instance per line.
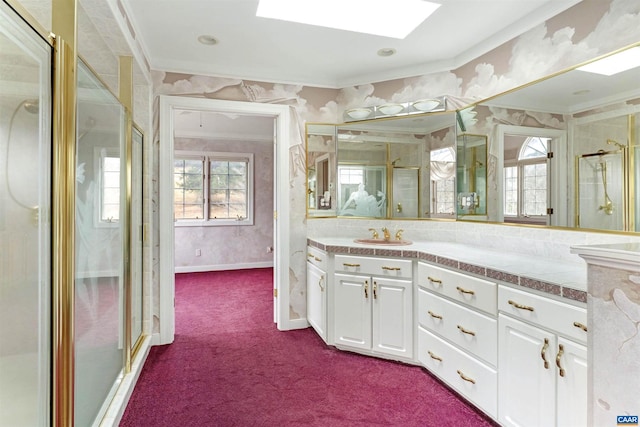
x=397, y=18
x=615, y=63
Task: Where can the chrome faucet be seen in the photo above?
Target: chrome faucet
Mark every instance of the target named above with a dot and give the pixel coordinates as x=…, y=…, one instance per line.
x=387, y=235
x=374, y=233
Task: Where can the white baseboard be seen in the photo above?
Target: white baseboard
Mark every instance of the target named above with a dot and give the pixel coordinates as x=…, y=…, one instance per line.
x=221, y=267
x=155, y=339
x=121, y=399
x=288, y=325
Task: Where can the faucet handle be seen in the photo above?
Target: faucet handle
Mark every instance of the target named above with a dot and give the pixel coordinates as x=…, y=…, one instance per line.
x=374, y=233
x=399, y=234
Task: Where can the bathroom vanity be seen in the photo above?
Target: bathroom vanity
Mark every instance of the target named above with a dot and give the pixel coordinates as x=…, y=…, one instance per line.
x=495, y=327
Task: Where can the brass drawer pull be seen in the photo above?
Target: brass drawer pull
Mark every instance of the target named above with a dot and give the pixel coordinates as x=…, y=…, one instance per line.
x=543, y=353
x=558, y=357
x=310, y=255
x=520, y=306
x=434, y=357
x=580, y=325
x=391, y=268
x=466, y=331
x=317, y=259
x=466, y=378
x=465, y=291
x=350, y=265
x=435, y=316
x=434, y=280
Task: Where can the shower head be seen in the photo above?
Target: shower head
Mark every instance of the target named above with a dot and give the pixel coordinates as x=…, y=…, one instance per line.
x=616, y=143
x=31, y=105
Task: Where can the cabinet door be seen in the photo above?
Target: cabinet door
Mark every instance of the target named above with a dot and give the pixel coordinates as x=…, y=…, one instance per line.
x=571, y=383
x=352, y=310
x=392, y=317
x=526, y=386
x=317, y=300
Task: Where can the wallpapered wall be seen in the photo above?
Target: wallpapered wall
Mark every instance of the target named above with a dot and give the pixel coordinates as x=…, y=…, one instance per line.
x=587, y=30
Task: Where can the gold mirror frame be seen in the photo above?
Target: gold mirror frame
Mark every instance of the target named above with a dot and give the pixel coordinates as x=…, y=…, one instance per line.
x=634, y=147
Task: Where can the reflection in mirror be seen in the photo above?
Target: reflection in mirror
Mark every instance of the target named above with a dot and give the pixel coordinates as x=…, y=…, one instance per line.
x=397, y=168
x=362, y=177
x=321, y=170
x=588, y=122
x=471, y=176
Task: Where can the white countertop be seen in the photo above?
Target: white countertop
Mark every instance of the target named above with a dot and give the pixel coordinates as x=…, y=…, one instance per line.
x=565, y=274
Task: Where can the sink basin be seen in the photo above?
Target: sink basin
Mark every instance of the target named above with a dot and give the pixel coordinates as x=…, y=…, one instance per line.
x=383, y=242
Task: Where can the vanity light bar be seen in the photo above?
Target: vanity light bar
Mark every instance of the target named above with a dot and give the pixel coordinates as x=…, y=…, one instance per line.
x=429, y=105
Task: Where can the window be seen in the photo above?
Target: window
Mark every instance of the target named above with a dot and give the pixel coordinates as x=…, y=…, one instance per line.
x=443, y=190
x=107, y=161
x=213, y=188
x=188, y=188
x=525, y=182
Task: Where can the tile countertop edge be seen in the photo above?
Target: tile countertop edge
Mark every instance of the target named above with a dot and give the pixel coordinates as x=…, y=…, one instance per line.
x=575, y=291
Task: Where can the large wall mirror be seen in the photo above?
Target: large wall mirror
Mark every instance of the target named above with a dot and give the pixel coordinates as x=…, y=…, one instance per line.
x=401, y=167
x=563, y=151
x=321, y=170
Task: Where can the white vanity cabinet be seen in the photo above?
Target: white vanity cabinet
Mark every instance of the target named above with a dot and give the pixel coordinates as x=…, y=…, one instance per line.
x=542, y=361
x=373, y=305
x=317, y=262
x=457, y=332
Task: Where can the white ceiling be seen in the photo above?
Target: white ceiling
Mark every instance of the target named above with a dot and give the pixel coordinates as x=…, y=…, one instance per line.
x=261, y=49
x=223, y=126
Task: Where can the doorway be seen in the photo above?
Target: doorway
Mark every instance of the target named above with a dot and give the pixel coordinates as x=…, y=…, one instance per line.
x=169, y=105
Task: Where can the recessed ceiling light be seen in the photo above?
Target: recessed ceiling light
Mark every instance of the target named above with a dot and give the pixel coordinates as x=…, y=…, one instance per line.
x=386, y=18
x=387, y=51
x=614, y=64
x=207, y=39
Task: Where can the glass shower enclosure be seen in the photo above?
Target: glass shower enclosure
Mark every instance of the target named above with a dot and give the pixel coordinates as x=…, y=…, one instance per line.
x=25, y=227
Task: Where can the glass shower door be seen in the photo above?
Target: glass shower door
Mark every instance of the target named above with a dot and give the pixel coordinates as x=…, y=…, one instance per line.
x=99, y=313
x=601, y=191
x=25, y=229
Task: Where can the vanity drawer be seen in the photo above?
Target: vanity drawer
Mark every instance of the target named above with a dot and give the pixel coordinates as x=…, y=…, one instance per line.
x=453, y=366
x=475, y=292
x=381, y=267
x=565, y=319
x=468, y=329
x=317, y=257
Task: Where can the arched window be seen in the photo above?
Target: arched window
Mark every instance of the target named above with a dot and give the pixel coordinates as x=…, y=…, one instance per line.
x=525, y=182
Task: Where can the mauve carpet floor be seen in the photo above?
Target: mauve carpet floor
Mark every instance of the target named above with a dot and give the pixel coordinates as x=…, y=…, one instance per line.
x=230, y=366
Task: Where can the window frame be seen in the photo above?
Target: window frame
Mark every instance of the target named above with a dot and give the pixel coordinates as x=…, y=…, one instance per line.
x=520, y=164
x=100, y=153
x=207, y=157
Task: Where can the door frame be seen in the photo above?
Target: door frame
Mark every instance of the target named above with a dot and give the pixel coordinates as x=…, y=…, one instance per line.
x=281, y=114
